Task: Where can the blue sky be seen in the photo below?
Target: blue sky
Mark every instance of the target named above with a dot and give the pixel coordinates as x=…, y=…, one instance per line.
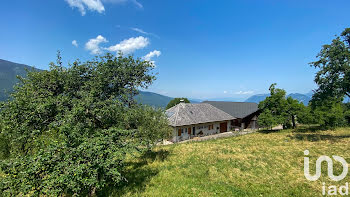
x=201, y=48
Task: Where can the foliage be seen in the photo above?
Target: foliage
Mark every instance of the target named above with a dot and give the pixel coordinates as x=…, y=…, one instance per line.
x=306, y=116
x=283, y=111
x=176, y=101
x=293, y=108
x=152, y=124
x=333, y=77
x=266, y=119
x=275, y=104
x=346, y=108
x=68, y=130
x=329, y=113
x=333, y=80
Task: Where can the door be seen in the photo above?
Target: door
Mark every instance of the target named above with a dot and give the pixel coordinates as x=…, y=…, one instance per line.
x=223, y=127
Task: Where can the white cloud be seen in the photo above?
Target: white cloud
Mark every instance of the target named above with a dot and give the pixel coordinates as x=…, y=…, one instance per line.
x=225, y=92
x=82, y=5
x=75, y=43
x=139, y=30
x=97, y=5
x=130, y=45
x=150, y=55
x=143, y=32
x=137, y=3
x=244, y=92
x=93, y=45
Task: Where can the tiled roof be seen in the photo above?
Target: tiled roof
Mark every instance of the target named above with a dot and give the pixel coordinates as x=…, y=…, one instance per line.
x=190, y=114
x=236, y=109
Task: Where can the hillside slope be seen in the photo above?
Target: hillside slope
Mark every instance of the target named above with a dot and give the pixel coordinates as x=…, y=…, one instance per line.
x=152, y=99
x=8, y=72
x=259, y=164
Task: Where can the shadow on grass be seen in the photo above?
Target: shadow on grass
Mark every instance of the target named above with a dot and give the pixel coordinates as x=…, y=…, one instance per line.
x=299, y=129
x=312, y=129
x=317, y=137
x=269, y=131
x=137, y=174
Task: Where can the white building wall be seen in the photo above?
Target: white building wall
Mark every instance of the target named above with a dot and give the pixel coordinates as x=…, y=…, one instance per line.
x=200, y=130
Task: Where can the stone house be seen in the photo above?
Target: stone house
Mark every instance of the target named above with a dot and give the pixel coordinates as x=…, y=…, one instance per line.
x=190, y=120
x=195, y=120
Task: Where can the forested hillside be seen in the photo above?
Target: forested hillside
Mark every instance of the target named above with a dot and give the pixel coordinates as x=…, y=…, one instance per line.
x=8, y=72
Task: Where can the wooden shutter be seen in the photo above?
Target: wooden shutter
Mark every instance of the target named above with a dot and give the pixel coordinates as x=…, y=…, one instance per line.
x=179, y=132
x=189, y=131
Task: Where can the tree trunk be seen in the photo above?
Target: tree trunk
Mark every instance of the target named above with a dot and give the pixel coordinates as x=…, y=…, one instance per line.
x=92, y=192
x=293, y=122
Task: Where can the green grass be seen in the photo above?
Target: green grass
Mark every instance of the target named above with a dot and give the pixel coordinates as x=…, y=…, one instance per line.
x=259, y=164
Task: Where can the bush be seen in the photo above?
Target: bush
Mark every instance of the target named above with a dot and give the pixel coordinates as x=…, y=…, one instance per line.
x=69, y=130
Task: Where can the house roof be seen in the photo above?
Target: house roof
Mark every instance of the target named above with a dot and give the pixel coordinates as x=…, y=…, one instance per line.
x=236, y=109
x=189, y=114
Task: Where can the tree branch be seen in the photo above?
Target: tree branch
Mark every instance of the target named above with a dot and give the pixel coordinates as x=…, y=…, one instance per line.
x=347, y=94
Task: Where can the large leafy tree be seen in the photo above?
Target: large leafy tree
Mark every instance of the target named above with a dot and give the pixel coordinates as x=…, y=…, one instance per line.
x=68, y=130
x=275, y=104
x=329, y=112
x=333, y=80
x=333, y=77
x=283, y=110
x=293, y=109
x=176, y=101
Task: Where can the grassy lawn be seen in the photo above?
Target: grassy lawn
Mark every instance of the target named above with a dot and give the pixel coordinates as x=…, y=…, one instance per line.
x=259, y=164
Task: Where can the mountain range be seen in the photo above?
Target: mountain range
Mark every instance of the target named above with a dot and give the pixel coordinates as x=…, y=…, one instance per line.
x=304, y=98
x=9, y=71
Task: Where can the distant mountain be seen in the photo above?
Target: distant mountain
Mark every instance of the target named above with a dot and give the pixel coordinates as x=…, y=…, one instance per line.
x=156, y=100
x=152, y=99
x=230, y=99
x=309, y=94
x=8, y=72
x=301, y=97
x=304, y=98
x=192, y=100
x=257, y=98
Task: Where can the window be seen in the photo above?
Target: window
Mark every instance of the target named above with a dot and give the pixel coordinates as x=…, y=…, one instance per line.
x=211, y=127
